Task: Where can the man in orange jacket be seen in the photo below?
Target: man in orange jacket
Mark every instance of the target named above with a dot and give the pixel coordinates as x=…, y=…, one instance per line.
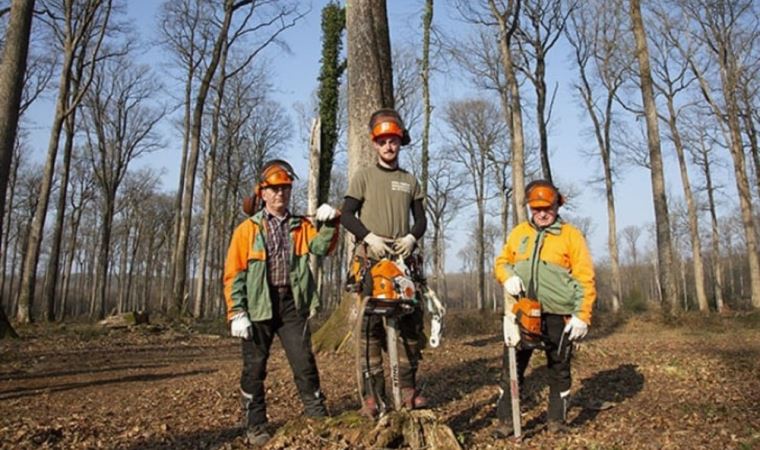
x=269, y=289
x=546, y=259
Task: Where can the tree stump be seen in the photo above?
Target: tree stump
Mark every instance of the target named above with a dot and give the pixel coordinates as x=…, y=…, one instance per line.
x=411, y=429
x=333, y=334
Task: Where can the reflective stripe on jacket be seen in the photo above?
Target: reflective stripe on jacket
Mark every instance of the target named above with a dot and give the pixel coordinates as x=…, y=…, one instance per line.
x=245, y=277
x=558, y=260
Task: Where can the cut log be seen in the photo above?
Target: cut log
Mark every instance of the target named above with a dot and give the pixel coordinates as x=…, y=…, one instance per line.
x=125, y=320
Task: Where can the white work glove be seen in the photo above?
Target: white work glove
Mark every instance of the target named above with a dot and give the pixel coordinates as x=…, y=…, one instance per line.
x=514, y=286
x=511, y=330
x=325, y=213
x=577, y=328
x=403, y=246
x=241, y=326
x=378, y=245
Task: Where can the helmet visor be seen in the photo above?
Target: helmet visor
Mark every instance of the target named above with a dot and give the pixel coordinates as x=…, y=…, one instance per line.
x=542, y=197
x=276, y=175
x=387, y=127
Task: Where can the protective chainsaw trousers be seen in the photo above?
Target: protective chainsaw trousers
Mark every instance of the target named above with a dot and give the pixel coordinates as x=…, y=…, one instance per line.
x=292, y=328
x=558, y=370
x=374, y=342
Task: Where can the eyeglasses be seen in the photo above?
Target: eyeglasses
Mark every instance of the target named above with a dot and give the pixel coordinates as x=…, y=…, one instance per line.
x=279, y=187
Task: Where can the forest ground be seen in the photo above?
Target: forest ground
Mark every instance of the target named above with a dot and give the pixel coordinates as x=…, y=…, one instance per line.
x=638, y=383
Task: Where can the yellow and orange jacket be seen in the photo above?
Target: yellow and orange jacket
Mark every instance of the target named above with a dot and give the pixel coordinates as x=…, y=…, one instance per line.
x=557, y=260
x=245, y=271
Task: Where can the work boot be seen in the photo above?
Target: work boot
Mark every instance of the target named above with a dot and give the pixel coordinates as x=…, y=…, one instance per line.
x=558, y=403
x=369, y=408
x=557, y=427
x=314, y=405
x=504, y=430
x=413, y=399
x=257, y=435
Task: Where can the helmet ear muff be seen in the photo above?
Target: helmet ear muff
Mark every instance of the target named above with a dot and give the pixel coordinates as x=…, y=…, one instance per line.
x=406, y=139
x=250, y=204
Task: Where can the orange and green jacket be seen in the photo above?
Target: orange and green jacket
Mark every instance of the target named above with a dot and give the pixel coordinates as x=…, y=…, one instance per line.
x=557, y=260
x=245, y=271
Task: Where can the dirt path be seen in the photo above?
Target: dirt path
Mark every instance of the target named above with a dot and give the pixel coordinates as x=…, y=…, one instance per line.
x=634, y=387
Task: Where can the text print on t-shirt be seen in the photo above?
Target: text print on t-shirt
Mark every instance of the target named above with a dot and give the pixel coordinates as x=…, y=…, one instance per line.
x=401, y=186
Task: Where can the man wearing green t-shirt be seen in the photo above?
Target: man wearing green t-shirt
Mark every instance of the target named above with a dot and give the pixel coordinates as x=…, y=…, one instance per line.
x=383, y=196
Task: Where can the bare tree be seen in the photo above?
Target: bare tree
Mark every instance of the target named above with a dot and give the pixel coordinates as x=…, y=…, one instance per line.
x=598, y=39
x=702, y=153
x=83, y=184
x=442, y=203
x=477, y=131
x=662, y=221
x=120, y=127
x=12, y=74
x=727, y=30
x=80, y=28
x=672, y=78
x=543, y=22
x=266, y=22
x=186, y=28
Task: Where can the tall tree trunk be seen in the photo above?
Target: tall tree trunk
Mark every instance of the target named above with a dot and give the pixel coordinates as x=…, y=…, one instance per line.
x=183, y=164
x=26, y=293
x=609, y=194
x=5, y=244
x=313, y=189
x=121, y=295
x=691, y=208
x=370, y=75
x=514, y=119
x=714, y=233
x=729, y=82
x=208, y=188
x=671, y=305
x=51, y=278
x=104, y=256
x=12, y=71
x=427, y=109
x=480, y=246
x=749, y=115
x=180, y=262
x=70, y=252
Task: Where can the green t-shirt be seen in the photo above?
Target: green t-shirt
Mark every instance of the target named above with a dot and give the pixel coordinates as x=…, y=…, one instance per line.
x=386, y=197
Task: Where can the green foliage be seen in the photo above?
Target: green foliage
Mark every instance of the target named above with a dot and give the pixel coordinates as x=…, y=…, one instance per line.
x=333, y=24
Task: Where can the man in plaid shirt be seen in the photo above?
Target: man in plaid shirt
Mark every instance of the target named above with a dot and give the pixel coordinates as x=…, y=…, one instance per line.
x=269, y=289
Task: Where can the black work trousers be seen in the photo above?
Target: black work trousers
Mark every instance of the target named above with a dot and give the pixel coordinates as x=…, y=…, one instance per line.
x=292, y=328
x=558, y=365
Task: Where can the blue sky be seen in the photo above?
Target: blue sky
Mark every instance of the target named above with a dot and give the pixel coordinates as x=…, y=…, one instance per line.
x=296, y=78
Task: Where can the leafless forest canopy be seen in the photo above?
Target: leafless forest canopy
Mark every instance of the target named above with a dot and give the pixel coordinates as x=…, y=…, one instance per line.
x=86, y=234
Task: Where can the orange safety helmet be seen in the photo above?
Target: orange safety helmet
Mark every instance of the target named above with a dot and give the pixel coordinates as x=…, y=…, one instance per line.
x=387, y=121
x=276, y=172
x=542, y=194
